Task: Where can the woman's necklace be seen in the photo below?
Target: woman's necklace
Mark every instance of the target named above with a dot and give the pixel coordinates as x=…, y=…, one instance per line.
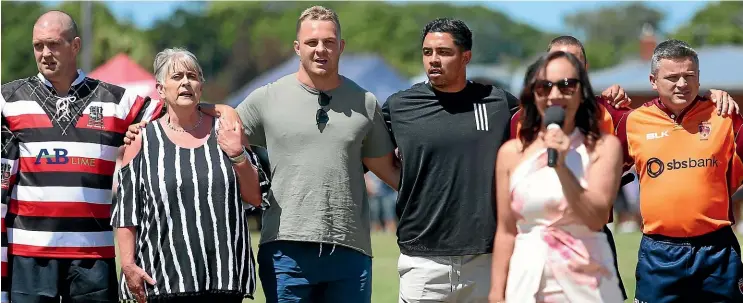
x=201, y=115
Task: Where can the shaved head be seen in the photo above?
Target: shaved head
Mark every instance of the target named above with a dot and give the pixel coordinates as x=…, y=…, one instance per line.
x=54, y=18
x=56, y=45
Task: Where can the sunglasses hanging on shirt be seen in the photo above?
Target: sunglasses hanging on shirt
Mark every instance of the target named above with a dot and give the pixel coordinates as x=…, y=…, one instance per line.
x=321, y=117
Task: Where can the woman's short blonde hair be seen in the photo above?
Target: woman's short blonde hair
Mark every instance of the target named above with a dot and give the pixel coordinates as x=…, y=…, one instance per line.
x=171, y=59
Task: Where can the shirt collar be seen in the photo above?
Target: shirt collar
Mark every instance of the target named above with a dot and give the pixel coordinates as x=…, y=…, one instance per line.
x=80, y=77
x=683, y=112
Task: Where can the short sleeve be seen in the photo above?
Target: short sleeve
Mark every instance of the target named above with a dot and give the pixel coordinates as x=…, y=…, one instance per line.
x=263, y=180
x=10, y=156
x=736, y=171
x=129, y=197
x=138, y=108
x=609, y=116
x=386, y=115
x=250, y=114
x=513, y=103
x=377, y=142
x=151, y=110
x=621, y=133
x=514, y=108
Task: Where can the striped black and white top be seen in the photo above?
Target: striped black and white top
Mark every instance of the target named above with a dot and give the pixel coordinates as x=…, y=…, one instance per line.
x=192, y=229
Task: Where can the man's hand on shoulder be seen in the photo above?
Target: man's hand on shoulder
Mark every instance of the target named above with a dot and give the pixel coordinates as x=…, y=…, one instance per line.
x=133, y=131
x=617, y=97
x=724, y=103
x=221, y=111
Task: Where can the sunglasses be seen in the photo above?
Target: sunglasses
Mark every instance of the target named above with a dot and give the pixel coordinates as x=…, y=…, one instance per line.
x=567, y=86
x=321, y=117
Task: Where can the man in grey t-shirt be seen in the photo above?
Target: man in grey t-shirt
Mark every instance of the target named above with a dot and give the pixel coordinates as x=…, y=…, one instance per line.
x=318, y=127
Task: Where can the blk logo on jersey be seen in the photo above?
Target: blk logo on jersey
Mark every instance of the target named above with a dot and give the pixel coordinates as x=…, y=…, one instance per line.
x=481, y=116
x=96, y=117
x=658, y=135
x=59, y=156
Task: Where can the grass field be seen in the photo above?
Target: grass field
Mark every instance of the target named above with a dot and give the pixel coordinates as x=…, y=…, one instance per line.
x=385, y=277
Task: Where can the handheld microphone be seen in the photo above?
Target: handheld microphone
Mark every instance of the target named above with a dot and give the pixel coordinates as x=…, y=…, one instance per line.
x=554, y=117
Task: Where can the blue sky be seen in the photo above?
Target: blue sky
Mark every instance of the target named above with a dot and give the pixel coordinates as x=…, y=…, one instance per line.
x=546, y=15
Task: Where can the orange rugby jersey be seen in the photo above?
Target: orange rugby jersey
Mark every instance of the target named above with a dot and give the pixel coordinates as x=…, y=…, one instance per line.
x=688, y=166
x=607, y=115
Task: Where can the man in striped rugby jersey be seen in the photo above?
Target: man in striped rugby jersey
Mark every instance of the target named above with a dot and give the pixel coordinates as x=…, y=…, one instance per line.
x=69, y=128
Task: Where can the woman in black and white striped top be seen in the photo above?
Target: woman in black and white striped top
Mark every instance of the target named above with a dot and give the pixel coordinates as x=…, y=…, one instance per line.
x=182, y=228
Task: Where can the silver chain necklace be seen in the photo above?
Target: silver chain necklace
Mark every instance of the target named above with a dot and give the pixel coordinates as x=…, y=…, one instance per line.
x=183, y=130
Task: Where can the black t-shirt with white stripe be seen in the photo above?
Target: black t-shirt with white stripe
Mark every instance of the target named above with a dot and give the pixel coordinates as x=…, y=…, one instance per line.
x=192, y=228
x=448, y=143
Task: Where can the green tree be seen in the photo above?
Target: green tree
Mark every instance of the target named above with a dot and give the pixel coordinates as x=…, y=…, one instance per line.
x=15, y=30
x=612, y=33
x=110, y=37
x=237, y=41
x=718, y=23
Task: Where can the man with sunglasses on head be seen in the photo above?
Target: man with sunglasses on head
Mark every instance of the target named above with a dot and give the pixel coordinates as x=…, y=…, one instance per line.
x=448, y=131
x=319, y=128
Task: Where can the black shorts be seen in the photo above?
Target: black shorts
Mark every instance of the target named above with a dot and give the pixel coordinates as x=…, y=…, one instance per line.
x=41, y=280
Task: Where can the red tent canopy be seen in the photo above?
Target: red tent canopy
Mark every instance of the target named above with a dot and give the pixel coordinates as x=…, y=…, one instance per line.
x=123, y=71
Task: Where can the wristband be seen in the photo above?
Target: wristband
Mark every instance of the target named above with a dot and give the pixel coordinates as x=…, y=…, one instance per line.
x=239, y=158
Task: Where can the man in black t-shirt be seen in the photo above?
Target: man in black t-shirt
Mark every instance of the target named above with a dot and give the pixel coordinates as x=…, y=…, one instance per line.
x=448, y=131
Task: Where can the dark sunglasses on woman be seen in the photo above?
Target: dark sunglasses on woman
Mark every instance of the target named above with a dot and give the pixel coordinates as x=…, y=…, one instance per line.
x=566, y=86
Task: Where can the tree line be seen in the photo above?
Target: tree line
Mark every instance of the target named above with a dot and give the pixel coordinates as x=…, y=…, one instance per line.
x=237, y=41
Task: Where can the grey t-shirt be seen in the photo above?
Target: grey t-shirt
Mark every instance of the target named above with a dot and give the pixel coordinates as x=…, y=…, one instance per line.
x=318, y=178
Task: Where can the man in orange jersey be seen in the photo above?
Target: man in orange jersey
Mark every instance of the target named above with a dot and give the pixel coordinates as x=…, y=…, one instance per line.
x=688, y=160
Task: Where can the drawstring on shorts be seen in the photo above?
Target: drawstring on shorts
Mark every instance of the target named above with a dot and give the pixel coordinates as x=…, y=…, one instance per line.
x=331, y=251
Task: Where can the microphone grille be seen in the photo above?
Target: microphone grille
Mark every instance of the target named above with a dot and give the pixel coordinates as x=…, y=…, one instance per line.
x=554, y=115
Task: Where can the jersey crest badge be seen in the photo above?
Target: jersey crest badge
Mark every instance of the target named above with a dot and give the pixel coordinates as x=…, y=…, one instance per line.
x=96, y=117
x=704, y=129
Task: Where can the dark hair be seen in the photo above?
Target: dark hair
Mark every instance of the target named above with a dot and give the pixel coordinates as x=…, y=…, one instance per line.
x=586, y=119
x=569, y=41
x=672, y=49
x=456, y=28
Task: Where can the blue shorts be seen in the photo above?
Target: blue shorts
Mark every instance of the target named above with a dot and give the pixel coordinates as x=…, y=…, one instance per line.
x=312, y=272
x=706, y=268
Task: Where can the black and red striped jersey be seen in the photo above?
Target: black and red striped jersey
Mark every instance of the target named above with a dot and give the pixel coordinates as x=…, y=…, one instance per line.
x=60, y=204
